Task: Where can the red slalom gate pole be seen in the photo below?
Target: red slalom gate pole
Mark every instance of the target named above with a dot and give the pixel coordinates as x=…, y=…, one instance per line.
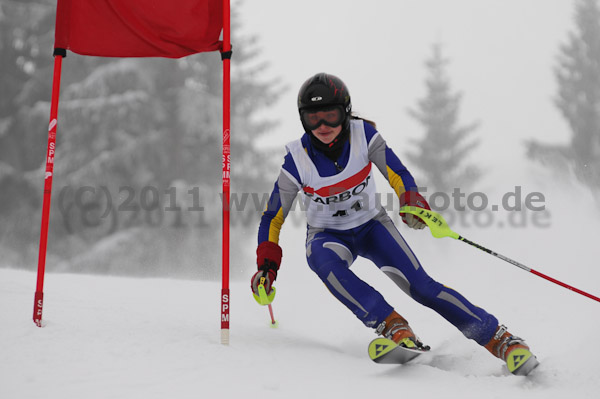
x=226, y=57
x=38, y=303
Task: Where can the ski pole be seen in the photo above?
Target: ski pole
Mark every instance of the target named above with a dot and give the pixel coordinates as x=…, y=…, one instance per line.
x=439, y=228
x=273, y=322
x=263, y=299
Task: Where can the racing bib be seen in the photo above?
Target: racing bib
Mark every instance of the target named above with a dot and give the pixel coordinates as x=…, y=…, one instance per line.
x=342, y=201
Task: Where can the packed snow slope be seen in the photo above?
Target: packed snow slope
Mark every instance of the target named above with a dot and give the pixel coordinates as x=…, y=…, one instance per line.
x=109, y=337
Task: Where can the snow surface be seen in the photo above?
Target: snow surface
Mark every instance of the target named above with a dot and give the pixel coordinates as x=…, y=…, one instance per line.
x=110, y=337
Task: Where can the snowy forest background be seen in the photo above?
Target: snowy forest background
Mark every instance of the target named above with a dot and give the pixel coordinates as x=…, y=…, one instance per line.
x=138, y=168
x=139, y=145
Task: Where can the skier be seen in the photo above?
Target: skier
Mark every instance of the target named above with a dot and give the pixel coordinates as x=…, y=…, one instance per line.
x=331, y=164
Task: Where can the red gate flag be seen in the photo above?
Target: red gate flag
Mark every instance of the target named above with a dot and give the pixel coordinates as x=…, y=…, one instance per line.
x=139, y=28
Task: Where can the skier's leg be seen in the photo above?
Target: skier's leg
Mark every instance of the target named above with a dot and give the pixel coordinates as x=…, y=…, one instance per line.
x=384, y=245
x=330, y=257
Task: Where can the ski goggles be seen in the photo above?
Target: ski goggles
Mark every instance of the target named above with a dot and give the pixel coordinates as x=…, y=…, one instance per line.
x=329, y=116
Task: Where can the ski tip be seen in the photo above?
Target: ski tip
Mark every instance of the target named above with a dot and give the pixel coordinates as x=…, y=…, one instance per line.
x=379, y=347
x=385, y=351
x=521, y=362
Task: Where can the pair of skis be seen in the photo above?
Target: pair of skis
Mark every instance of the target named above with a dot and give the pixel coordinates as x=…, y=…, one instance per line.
x=519, y=361
x=386, y=351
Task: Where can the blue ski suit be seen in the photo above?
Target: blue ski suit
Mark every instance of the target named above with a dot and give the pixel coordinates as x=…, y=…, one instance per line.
x=331, y=251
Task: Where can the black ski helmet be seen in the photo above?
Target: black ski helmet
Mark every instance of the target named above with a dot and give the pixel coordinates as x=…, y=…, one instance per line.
x=325, y=90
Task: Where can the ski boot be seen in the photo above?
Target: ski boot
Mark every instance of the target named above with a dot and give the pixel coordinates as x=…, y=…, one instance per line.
x=513, y=350
x=396, y=328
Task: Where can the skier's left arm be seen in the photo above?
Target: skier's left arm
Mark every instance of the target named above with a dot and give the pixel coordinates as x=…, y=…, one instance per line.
x=396, y=174
x=269, y=253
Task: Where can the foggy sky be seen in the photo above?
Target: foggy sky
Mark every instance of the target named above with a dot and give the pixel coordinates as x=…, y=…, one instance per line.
x=502, y=55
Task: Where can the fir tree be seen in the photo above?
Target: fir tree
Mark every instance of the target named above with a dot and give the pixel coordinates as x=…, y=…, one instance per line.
x=578, y=99
x=25, y=83
x=25, y=43
x=442, y=151
x=131, y=125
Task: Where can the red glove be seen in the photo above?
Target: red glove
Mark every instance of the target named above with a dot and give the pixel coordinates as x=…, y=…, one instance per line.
x=268, y=259
x=413, y=198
